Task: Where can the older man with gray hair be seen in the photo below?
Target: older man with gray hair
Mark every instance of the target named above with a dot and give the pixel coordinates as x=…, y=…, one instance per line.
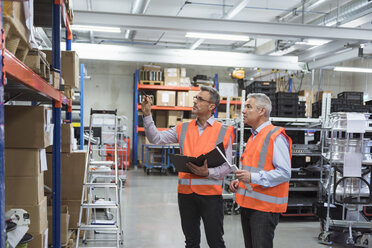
x=267, y=168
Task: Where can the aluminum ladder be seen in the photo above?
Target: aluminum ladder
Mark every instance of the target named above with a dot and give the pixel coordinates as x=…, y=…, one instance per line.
x=95, y=172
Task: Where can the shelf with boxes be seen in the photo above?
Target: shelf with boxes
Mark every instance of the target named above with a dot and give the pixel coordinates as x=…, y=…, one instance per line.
x=30, y=129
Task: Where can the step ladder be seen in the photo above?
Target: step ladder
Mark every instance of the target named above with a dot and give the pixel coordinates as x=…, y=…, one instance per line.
x=98, y=177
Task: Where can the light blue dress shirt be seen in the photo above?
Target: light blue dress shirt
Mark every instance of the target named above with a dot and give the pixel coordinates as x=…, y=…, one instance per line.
x=281, y=162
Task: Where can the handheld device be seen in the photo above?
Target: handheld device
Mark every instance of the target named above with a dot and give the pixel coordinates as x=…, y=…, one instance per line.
x=234, y=168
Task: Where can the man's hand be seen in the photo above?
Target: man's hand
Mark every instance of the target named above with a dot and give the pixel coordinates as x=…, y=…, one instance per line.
x=200, y=171
x=243, y=176
x=146, y=105
x=234, y=186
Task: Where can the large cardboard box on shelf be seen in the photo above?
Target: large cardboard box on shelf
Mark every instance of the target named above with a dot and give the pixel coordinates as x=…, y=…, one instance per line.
x=183, y=98
x=165, y=98
x=40, y=239
x=161, y=119
x=72, y=174
x=171, y=76
x=28, y=127
x=38, y=215
x=67, y=138
x=192, y=94
x=65, y=217
x=24, y=162
x=185, y=82
x=70, y=67
x=174, y=117
x=74, y=211
x=24, y=190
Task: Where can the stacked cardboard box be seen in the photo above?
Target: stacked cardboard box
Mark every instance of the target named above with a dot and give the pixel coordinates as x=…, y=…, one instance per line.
x=72, y=176
x=171, y=76
x=28, y=132
x=165, y=98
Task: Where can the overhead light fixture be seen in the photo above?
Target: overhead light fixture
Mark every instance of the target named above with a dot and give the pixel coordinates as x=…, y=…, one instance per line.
x=96, y=28
x=313, y=42
x=236, y=9
x=352, y=69
x=217, y=36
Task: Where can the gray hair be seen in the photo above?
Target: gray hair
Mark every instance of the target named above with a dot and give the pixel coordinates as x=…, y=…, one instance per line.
x=214, y=95
x=262, y=101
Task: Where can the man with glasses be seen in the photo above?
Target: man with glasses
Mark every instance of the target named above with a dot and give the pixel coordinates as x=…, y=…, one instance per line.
x=267, y=167
x=199, y=192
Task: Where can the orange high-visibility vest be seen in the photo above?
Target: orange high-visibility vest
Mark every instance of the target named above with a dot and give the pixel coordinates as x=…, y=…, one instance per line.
x=258, y=156
x=191, y=144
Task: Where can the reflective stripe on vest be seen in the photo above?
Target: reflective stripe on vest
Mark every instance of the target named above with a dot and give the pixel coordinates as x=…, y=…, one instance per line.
x=200, y=182
x=221, y=134
x=183, y=135
x=263, y=197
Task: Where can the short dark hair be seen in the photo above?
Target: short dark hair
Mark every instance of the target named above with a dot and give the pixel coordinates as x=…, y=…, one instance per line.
x=214, y=95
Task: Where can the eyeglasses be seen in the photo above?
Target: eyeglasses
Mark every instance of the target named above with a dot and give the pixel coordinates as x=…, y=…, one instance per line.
x=200, y=99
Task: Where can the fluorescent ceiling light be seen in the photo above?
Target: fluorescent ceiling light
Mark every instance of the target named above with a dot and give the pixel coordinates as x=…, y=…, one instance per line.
x=352, y=69
x=96, y=28
x=236, y=9
x=313, y=42
x=217, y=36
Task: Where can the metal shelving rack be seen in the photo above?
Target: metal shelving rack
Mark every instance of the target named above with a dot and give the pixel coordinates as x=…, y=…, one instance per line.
x=27, y=85
x=136, y=106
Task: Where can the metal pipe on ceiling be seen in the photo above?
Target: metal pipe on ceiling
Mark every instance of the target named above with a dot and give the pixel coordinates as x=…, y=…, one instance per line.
x=346, y=12
x=138, y=7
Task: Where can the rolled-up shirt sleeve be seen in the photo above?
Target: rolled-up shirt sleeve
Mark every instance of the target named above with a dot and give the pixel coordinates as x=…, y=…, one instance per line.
x=281, y=162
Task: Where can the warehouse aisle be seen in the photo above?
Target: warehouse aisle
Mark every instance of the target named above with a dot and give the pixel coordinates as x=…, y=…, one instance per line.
x=151, y=218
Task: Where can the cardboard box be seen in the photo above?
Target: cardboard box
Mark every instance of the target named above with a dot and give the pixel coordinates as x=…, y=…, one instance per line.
x=182, y=72
x=70, y=67
x=171, y=76
x=183, y=98
x=24, y=190
x=67, y=137
x=38, y=215
x=192, y=94
x=40, y=240
x=161, y=120
x=23, y=162
x=65, y=217
x=74, y=211
x=319, y=94
x=174, y=117
x=185, y=81
x=72, y=174
x=165, y=98
x=28, y=127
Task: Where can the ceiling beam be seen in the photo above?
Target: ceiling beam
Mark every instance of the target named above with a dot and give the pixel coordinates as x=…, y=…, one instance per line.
x=322, y=51
x=187, y=24
x=335, y=59
x=184, y=56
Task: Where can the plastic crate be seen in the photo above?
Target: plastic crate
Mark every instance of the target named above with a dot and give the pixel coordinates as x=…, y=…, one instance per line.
x=261, y=90
x=352, y=102
x=262, y=84
x=287, y=95
x=361, y=108
x=350, y=95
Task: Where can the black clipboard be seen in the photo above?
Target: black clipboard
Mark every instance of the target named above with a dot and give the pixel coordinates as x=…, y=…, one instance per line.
x=213, y=157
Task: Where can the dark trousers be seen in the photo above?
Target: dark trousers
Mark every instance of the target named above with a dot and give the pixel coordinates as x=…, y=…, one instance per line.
x=209, y=208
x=258, y=228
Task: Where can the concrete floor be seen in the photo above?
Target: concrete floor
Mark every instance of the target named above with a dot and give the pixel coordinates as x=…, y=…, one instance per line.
x=151, y=218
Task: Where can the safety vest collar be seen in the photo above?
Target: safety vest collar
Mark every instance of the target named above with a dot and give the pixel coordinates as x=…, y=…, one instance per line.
x=262, y=197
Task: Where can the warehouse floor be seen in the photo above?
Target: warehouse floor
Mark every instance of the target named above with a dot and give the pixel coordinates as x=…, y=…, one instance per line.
x=151, y=218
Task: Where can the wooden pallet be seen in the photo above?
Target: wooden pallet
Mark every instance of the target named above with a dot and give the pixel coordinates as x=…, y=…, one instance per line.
x=38, y=63
x=16, y=40
x=148, y=82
